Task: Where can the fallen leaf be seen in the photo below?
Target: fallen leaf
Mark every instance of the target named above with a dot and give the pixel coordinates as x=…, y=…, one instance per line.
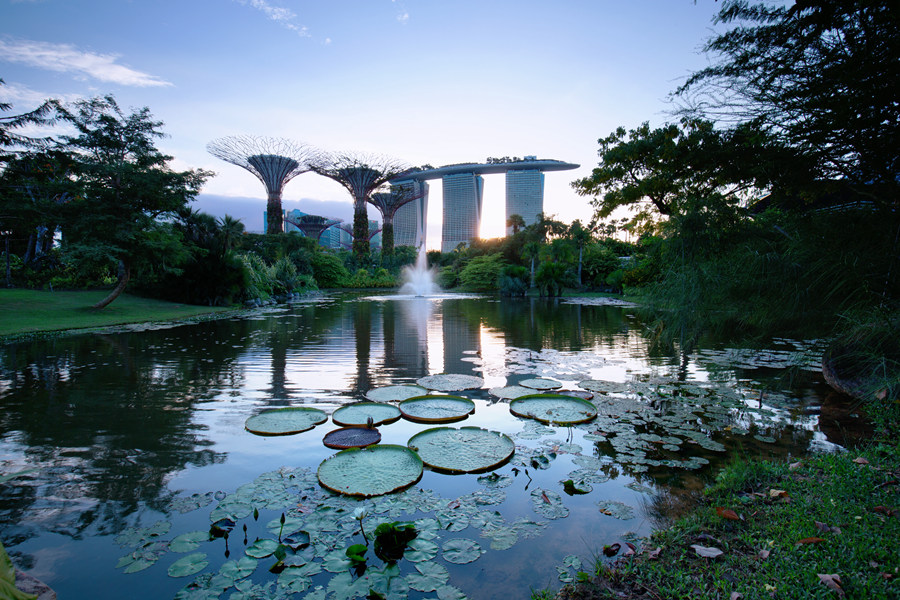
x=832, y=582
x=886, y=483
x=795, y=466
x=735, y=596
x=859, y=461
x=810, y=540
x=824, y=528
x=764, y=554
x=770, y=588
x=611, y=550
x=654, y=554
x=706, y=551
x=887, y=576
x=778, y=494
x=727, y=513
x=885, y=511
x=546, y=499
x=631, y=549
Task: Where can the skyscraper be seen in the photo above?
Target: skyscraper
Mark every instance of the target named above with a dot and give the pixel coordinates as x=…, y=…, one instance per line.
x=411, y=218
x=463, y=194
x=524, y=195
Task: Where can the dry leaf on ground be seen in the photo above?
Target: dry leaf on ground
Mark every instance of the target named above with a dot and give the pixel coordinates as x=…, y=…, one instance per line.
x=832, y=582
x=727, y=513
x=706, y=551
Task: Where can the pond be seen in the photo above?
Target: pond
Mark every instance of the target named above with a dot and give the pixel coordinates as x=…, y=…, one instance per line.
x=137, y=476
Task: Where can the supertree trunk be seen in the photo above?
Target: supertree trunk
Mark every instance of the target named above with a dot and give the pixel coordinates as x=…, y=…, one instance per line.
x=274, y=216
x=360, y=229
x=387, y=236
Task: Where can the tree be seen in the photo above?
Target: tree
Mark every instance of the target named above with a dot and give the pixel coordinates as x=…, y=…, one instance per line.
x=580, y=235
x=230, y=229
x=125, y=190
x=515, y=223
x=11, y=139
x=821, y=75
x=360, y=174
x=388, y=203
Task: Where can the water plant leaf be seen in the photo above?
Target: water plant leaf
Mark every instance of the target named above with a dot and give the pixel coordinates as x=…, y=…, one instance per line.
x=188, y=541
x=387, y=583
x=344, y=587
x=450, y=382
x=553, y=408
x=371, y=471
x=573, y=489
x=461, y=551
x=262, y=548
x=142, y=558
x=603, y=387
x=136, y=537
x=548, y=503
x=429, y=578
x=463, y=450
x=395, y=393
x=495, y=480
x=297, y=579
x=509, y=392
x=232, y=570
x=448, y=592
x=540, y=383
x=420, y=550
x=188, y=565
x=616, y=509
x=436, y=409
x=285, y=421
x=359, y=413
x=706, y=551
x=352, y=437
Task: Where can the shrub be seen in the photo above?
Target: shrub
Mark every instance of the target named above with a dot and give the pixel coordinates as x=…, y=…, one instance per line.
x=328, y=270
x=513, y=280
x=482, y=272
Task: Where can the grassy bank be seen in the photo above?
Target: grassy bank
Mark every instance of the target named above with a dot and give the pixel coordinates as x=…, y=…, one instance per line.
x=27, y=312
x=824, y=527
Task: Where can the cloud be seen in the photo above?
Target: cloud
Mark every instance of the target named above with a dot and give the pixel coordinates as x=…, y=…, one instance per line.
x=283, y=16
x=66, y=58
x=402, y=13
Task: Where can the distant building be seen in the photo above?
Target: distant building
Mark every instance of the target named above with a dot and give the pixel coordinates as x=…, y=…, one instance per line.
x=524, y=195
x=411, y=219
x=375, y=240
x=463, y=195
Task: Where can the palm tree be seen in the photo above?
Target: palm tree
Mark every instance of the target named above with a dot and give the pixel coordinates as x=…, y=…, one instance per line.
x=229, y=228
x=515, y=222
x=581, y=235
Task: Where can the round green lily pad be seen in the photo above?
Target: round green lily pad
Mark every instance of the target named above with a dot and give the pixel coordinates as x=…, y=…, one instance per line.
x=451, y=382
x=371, y=471
x=351, y=437
x=464, y=450
x=395, y=393
x=540, y=383
x=583, y=394
x=553, y=408
x=436, y=409
x=359, y=413
x=285, y=421
x=603, y=387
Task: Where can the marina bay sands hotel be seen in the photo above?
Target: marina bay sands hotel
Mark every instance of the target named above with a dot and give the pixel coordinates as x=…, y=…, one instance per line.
x=463, y=188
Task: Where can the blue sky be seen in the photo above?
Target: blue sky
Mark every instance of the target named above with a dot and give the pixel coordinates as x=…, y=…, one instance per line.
x=423, y=81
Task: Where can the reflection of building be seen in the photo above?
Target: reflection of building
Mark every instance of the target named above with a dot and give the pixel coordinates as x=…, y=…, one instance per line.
x=524, y=195
x=411, y=218
x=462, y=334
x=463, y=194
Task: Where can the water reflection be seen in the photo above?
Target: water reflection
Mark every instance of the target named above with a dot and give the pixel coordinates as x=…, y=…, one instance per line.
x=119, y=424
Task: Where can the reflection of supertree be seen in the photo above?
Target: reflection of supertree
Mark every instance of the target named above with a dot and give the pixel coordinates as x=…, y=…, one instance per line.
x=361, y=175
x=312, y=226
x=388, y=203
x=275, y=161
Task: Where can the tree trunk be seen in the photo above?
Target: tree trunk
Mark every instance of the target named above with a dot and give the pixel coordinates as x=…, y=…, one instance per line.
x=124, y=276
x=580, y=254
x=360, y=231
x=274, y=216
x=387, y=237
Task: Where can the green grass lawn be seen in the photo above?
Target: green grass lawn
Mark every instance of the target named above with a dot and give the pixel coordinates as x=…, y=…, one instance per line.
x=24, y=312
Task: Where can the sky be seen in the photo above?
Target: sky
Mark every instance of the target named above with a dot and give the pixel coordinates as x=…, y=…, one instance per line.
x=422, y=81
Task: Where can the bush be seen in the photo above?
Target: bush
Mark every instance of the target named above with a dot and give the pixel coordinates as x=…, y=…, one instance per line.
x=513, y=280
x=598, y=262
x=447, y=278
x=329, y=270
x=482, y=273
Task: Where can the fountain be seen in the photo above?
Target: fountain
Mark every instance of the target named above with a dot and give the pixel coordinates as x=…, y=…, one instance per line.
x=418, y=280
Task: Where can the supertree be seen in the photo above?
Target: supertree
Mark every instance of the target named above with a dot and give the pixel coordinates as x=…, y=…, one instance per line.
x=312, y=226
x=388, y=203
x=361, y=174
x=349, y=231
x=275, y=161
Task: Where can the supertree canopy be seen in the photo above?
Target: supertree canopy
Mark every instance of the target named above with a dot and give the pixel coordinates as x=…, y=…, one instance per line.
x=360, y=174
x=388, y=203
x=312, y=226
x=275, y=161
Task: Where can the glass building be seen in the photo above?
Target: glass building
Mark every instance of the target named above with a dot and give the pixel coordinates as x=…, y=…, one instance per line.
x=411, y=218
x=524, y=195
x=463, y=195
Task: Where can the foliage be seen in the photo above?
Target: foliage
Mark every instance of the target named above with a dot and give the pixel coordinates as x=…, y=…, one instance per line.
x=123, y=189
x=258, y=280
x=551, y=277
x=392, y=538
x=513, y=280
x=364, y=279
x=11, y=138
x=447, y=277
x=598, y=263
x=329, y=270
x=482, y=273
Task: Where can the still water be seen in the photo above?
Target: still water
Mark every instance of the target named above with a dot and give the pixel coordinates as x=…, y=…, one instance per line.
x=129, y=443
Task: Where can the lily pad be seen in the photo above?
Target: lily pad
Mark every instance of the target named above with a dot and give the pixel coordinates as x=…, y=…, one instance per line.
x=509, y=392
x=461, y=551
x=451, y=382
x=285, y=421
x=262, y=548
x=430, y=577
x=371, y=471
x=436, y=409
x=463, y=450
x=395, y=393
x=603, y=387
x=351, y=437
x=188, y=565
x=583, y=394
x=553, y=408
x=540, y=383
x=359, y=414
x=548, y=504
x=616, y=509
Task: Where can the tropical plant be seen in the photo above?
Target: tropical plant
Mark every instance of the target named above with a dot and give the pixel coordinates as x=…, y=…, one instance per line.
x=482, y=272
